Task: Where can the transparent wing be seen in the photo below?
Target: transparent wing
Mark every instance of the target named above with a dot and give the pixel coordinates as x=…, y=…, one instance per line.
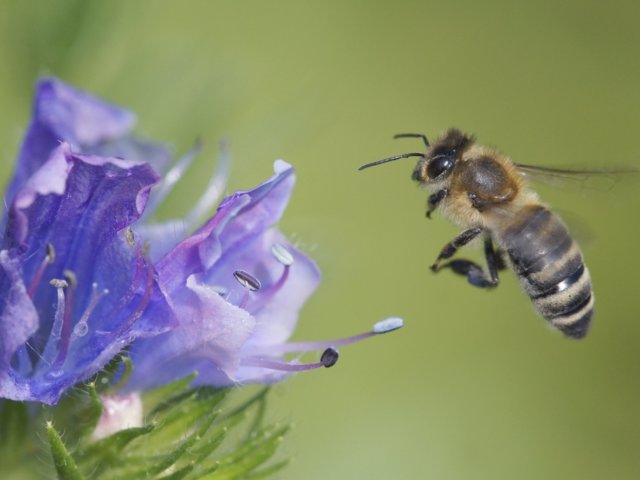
x=599, y=179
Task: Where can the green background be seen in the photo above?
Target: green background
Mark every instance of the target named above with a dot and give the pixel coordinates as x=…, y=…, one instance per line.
x=475, y=385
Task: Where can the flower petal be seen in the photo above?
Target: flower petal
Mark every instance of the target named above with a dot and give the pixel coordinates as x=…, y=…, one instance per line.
x=214, y=334
x=63, y=113
x=18, y=321
x=208, y=340
x=83, y=221
x=240, y=216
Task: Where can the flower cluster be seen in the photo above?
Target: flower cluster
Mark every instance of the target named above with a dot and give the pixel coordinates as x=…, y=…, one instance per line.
x=84, y=273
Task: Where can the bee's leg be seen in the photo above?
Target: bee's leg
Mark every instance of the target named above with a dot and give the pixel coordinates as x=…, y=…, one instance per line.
x=474, y=273
x=452, y=247
x=435, y=199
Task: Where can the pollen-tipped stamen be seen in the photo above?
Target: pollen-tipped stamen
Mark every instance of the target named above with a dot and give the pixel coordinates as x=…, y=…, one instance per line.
x=52, y=346
x=384, y=326
x=328, y=359
x=284, y=257
x=49, y=258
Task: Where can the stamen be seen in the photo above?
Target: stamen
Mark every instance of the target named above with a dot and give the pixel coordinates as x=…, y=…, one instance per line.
x=129, y=237
x=71, y=278
x=281, y=254
x=58, y=321
x=49, y=258
x=384, y=326
x=58, y=283
x=82, y=327
x=388, y=325
x=65, y=333
x=249, y=282
x=328, y=359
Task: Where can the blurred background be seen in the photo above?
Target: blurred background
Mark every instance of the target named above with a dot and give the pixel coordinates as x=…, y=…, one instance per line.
x=475, y=385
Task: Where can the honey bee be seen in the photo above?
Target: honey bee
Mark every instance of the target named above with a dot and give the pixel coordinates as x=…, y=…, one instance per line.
x=484, y=192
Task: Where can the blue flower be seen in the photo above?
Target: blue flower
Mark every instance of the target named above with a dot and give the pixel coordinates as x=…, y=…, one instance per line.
x=84, y=274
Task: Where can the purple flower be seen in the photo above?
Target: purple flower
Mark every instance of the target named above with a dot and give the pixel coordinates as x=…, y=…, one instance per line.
x=74, y=289
x=84, y=274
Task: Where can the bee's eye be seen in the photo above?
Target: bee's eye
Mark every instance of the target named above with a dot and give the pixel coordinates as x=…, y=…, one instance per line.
x=439, y=165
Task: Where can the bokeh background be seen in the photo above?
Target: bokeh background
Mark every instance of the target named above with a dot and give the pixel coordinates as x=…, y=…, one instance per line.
x=475, y=386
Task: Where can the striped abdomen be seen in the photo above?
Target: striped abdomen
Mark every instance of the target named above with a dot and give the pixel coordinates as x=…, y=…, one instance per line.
x=551, y=269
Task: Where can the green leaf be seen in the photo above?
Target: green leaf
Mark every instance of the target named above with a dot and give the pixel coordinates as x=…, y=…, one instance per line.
x=185, y=429
x=63, y=461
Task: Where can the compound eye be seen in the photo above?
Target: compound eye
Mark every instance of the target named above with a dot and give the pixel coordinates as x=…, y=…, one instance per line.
x=440, y=165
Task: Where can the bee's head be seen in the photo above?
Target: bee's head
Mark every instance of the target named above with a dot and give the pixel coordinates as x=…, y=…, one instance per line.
x=440, y=158
x=437, y=164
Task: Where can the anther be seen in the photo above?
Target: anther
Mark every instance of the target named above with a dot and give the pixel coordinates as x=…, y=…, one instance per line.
x=58, y=283
x=284, y=257
x=329, y=357
x=387, y=325
x=129, y=237
x=71, y=278
x=51, y=253
x=247, y=280
x=281, y=254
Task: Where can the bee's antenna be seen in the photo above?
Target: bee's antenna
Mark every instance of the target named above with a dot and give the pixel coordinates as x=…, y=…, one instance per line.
x=414, y=135
x=391, y=159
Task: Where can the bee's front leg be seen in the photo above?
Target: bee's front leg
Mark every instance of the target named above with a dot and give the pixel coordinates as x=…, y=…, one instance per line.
x=435, y=199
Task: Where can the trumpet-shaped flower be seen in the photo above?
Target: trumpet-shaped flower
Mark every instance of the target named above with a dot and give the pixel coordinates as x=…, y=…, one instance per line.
x=84, y=274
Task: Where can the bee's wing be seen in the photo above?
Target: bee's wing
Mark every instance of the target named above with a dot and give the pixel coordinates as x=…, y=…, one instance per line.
x=582, y=178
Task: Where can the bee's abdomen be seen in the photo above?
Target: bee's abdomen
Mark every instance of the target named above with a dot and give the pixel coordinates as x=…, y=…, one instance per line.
x=551, y=269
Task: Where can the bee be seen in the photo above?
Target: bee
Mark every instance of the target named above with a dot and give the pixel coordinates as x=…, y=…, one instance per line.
x=484, y=192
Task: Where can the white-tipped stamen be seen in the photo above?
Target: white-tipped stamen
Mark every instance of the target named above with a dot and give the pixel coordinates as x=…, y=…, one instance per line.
x=267, y=294
x=281, y=254
x=379, y=328
x=51, y=349
x=58, y=283
x=388, y=325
